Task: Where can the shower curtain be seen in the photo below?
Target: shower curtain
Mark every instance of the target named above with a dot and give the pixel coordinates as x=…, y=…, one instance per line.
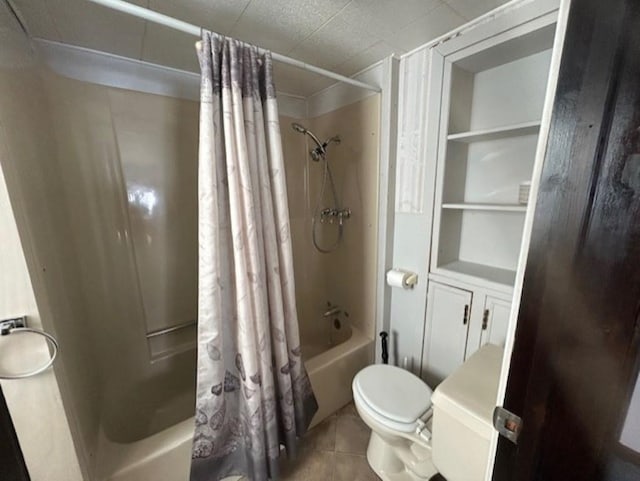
x=253, y=392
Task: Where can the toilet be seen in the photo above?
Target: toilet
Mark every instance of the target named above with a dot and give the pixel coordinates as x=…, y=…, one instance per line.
x=417, y=433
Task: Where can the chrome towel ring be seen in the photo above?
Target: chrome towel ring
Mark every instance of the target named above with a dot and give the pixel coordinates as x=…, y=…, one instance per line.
x=18, y=326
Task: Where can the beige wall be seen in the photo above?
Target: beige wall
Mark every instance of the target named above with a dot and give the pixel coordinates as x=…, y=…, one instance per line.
x=345, y=277
x=35, y=404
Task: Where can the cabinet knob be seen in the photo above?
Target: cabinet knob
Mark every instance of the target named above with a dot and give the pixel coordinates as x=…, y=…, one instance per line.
x=465, y=317
x=485, y=319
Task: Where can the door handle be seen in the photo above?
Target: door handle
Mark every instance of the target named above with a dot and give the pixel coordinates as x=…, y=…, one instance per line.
x=485, y=319
x=465, y=317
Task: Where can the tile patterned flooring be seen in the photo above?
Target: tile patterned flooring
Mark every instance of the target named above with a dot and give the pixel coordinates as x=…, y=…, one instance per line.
x=334, y=450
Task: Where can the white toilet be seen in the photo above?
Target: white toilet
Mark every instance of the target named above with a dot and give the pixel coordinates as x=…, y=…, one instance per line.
x=416, y=433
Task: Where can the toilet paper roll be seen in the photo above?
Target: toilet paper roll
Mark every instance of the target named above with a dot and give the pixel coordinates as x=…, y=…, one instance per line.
x=401, y=278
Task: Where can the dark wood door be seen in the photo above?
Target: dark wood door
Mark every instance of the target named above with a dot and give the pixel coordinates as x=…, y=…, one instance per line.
x=576, y=349
x=12, y=466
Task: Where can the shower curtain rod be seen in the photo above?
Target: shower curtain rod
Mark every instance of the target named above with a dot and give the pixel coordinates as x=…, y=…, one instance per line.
x=176, y=24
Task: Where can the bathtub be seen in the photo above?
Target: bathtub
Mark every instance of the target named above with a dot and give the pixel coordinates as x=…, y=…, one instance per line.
x=332, y=371
x=166, y=455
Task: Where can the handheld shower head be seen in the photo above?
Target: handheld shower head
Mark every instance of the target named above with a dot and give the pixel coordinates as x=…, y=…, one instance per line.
x=319, y=151
x=321, y=147
x=298, y=128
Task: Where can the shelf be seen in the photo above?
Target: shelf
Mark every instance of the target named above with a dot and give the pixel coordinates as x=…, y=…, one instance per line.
x=493, y=274
x=493, y=207
x=515, y=130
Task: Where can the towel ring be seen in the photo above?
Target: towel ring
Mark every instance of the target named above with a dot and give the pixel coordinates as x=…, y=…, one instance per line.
x=52, y=341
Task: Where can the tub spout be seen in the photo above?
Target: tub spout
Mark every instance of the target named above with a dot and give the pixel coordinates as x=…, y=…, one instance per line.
x=332, y=311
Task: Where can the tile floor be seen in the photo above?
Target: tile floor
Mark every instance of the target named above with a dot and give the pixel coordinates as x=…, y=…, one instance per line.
x=334, y=450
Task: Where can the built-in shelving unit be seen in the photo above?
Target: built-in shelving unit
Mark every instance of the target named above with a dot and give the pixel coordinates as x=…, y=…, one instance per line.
x=486, y=96
x=491, y=207
x=516, y=130
x=491, y=103
x=482, y=271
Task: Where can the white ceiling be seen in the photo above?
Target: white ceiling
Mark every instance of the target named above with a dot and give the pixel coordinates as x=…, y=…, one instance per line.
x=340, y=35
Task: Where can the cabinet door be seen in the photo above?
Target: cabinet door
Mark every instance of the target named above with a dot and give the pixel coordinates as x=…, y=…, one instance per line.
x=448, y=311
x=495, y=321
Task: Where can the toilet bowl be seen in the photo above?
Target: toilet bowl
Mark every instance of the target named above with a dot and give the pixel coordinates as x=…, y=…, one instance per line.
x=396, y=405
x=416, y=433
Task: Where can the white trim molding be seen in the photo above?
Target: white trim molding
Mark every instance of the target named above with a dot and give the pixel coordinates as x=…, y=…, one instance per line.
x=386, y=194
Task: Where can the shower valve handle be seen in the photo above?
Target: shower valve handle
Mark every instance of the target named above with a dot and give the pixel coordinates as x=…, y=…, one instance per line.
x=332, y=214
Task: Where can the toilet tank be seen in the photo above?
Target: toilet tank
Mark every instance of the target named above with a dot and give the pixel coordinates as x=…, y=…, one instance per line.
x=462, y=416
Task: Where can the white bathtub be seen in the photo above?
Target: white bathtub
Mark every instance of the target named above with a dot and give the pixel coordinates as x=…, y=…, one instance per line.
x=332, y=371
x=166, y=456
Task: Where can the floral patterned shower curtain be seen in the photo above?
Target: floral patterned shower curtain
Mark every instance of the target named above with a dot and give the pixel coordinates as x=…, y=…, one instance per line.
x=254, y=395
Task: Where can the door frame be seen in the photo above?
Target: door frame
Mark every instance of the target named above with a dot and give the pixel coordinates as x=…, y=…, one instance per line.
x=541, y=150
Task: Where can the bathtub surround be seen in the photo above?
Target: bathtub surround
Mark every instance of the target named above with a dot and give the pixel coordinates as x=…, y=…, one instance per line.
x=104, y=136
x=97, y=120
x=253, y=393
x=107, y=130
x=47, y=290
x=351, y=268
x=345, y=277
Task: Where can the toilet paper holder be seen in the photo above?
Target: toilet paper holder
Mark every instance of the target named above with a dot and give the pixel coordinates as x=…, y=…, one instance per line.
x=402, y=278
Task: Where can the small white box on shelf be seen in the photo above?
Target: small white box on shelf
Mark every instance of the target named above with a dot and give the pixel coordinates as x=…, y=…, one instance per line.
x=523, y=192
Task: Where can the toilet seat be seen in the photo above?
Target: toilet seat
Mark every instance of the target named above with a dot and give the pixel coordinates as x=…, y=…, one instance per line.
x=392, y=396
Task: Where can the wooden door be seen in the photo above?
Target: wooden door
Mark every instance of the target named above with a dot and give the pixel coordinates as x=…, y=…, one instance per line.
x=448, y=311
x=12, y=465
x=576, y=350
x=495, y=321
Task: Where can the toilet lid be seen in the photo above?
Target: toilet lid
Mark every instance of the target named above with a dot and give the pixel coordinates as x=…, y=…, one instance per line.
x=393, y=392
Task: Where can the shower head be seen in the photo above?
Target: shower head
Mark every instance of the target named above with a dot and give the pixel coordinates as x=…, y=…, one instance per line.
x=298, y=128
x=321, y=147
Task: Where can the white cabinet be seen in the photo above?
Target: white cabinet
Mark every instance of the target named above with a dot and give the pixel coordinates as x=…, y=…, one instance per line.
x=448, y=314
x=470, y=113
x=487, y=95
x=495, y=321
x=459, y=321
